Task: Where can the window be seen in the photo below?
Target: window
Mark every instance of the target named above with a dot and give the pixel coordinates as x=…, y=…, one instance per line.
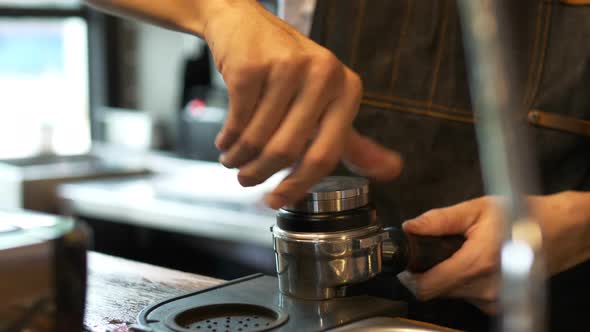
x=44, y=99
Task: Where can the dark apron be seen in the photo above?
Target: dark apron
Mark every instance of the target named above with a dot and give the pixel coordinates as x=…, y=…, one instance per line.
x=410, y=56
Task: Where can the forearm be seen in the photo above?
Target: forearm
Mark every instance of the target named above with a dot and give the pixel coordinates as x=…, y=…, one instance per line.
x=565, y=221
x=189, y=16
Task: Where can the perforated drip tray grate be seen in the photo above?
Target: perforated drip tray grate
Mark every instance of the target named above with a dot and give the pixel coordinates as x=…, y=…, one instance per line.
x=254, y=303
x=226, y=317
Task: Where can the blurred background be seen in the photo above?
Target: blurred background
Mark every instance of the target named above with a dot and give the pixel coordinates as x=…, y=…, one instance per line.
x=113, y=121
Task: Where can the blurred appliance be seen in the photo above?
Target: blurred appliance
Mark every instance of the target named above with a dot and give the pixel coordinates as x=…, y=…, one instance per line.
x=128, y=128
x=200, y=121
x=43, y=260
x=31, y=183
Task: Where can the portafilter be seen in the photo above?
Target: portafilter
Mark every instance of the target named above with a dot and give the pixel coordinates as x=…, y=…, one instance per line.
x=332, y=239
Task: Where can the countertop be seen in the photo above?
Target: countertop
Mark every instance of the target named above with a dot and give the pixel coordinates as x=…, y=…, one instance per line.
x=118, y=289
x=184, y=196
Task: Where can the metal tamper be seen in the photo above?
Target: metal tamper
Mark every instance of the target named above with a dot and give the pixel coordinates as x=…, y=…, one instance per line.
x=332, y=239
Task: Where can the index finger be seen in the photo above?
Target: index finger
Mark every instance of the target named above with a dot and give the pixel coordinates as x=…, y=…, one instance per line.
x=448, y=274
x=325, y=152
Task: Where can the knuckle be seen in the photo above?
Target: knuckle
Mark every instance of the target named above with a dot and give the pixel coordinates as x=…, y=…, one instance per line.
x=489, y=265
x=232, y=130
x=322, y=162
x=250, y=67
x=284, y=155
x=356, y=83
x=237, y=118
x=436, y=215
x=326, y=64
x=235, y=82
x=250, y=145
x=240, y=75
x=490, y=294
x=422, y=294
x=292, y=61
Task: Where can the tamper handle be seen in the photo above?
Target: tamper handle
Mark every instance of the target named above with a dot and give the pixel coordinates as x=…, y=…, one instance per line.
x=419, y=253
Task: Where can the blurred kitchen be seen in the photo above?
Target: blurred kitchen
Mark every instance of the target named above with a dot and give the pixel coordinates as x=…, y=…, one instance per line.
x=113, y=121
x=116, y=215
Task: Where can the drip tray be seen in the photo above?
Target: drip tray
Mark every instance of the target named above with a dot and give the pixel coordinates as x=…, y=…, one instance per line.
x=254, y=303
x=226, y=317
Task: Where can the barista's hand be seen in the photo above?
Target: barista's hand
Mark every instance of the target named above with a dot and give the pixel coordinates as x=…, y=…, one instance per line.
x=290, y=101
x=472, y=272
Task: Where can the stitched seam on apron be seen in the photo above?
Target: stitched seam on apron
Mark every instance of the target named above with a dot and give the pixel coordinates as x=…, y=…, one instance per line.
x=424, y=112
x=402, y=38
x=357, y=32
x=534, y=53
x=416, y=103
x=541, y=63
x=439, y=56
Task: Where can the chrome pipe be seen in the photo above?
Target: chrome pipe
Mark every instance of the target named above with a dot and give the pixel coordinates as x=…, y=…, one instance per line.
x=505, y=163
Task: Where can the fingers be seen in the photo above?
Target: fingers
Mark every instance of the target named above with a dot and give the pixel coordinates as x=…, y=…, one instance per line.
x=325, y=152
x=482, y=293
x=290, y=140
x=367, y=158
x=443, y=277
x=455, y=219
x=282, y=85
x=484, y=289
x=244, y=86
x=488, y=307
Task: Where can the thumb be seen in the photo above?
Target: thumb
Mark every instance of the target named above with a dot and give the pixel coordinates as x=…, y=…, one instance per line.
x=455, y=219
x=368, y=158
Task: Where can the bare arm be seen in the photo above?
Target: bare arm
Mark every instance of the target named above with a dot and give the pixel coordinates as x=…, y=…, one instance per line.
x=292, y=102
x=189, y=16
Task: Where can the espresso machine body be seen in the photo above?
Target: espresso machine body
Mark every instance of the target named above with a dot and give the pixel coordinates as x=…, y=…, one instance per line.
x=324, y=244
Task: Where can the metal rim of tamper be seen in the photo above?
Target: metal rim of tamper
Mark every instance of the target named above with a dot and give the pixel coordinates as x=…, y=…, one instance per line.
x=333, y=194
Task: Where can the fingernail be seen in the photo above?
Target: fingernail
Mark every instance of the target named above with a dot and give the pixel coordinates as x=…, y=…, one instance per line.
x=247, y=181
x=408, y=280
x=223, y=160
x=408, y=222
x=351, y=167
x=219, y=140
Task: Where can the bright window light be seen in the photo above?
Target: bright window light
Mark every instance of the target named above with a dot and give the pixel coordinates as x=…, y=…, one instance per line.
x=43, y=85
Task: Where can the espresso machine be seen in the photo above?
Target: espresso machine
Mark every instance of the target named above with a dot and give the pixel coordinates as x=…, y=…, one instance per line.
x=324, y=244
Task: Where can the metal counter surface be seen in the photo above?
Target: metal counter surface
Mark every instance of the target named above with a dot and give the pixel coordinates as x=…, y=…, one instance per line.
x=184, y=196
x=135, y=202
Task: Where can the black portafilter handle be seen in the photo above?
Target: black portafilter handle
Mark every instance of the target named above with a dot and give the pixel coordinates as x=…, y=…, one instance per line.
x=417, y=253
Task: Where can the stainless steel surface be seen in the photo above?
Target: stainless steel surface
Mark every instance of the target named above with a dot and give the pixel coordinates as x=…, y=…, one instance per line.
x=31, y=183
x=389, y=324
x=183, y=196
x=320, y=265
x=334, y=194
x=505, y=162
x=137, y=202
x=389, y=251
x=304, y=315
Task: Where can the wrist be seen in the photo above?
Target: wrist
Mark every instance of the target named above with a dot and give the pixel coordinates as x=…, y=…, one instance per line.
x=212, y=11
x=565, y=222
